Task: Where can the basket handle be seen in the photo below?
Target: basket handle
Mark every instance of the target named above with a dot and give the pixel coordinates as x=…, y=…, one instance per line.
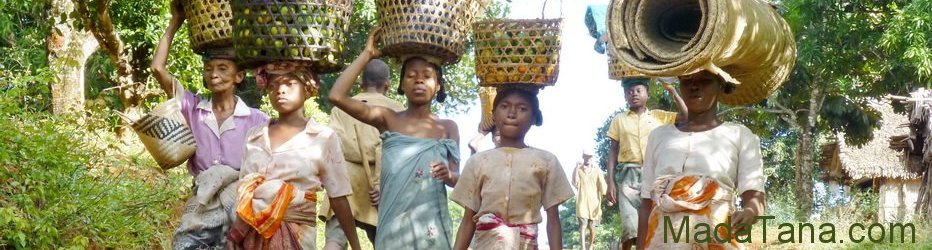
x=544, y=8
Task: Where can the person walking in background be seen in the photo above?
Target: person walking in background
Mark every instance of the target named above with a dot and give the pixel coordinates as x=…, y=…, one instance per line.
x=590, y=187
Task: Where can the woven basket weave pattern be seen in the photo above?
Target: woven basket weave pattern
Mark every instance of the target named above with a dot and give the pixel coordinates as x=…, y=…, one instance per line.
x=312, y=31
x=513, y=51
x=432, y=27
x=618, y=70
x=165, y=134
x=209, y=23
x=745, y=41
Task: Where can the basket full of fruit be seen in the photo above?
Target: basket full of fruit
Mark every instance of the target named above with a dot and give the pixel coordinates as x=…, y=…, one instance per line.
x=309, y=31
x=517, y=51
x=429, y=27
x=209, y=23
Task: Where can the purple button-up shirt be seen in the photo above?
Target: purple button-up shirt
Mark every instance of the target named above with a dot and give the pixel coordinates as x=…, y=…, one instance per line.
x=217, y=144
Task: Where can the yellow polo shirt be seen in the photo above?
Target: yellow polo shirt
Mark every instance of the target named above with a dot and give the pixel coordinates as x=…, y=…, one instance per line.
x=631, y=131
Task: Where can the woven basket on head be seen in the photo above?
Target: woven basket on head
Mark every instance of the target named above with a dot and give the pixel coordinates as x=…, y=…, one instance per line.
x=428, y=27
x=746, y=42
x=209, y=23
x=166, y=135
x=518, y=51
x=618, y=70
x=312, y=31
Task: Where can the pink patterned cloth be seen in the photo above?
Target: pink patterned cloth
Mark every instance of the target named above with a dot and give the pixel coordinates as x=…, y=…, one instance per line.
x=300, y=69
x=492, y=232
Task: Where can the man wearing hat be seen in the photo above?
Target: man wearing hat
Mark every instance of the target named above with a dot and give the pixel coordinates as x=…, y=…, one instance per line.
x=628, y=132
x=590, y=187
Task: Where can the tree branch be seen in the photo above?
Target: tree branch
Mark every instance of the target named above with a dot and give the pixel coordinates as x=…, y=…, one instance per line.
x=101, y=26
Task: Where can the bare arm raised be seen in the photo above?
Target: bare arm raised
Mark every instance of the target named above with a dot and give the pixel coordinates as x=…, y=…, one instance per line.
x=376, y=116
x=160, y=58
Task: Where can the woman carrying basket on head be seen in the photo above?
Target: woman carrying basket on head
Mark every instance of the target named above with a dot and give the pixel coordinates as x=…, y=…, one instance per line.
x=219, y=122
x=696, y=168
x=419, y=153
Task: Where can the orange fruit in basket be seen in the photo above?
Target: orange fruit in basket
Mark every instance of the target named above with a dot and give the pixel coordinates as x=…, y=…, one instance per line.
x=522, y=69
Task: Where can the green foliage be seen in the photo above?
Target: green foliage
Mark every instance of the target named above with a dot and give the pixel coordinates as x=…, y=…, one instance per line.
x=23, y=66
x=602, y=142
x=907, y=36
x=606, y=233
x=88, y=194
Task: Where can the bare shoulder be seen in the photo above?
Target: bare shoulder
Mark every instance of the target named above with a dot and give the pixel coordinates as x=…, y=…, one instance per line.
x=450, y=126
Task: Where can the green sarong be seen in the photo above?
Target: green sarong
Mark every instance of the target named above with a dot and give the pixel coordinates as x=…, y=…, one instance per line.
x=413, y=211
x=627, y=190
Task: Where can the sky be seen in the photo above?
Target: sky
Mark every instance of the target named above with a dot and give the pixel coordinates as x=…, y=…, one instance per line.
x=573, y=109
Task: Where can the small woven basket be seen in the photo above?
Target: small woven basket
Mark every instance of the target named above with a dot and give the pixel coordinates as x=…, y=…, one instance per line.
x=166, y=135
x=518, y=51
x=426, y=27
x=209, y=23
x=312, y=31
x=618, y=70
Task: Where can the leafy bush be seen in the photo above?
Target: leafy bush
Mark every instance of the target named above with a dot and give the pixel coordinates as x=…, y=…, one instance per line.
x=69, y=187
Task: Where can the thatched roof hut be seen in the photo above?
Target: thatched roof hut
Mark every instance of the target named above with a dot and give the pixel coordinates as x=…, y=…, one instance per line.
x=916, y=146
x=876, y=159
x=877, y=164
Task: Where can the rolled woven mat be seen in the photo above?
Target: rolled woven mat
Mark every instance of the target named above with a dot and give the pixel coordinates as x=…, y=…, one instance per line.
x=746, y=42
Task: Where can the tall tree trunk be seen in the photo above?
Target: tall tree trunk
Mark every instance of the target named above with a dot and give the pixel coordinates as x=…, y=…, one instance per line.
x=804, y=153
x=132, y=89
x=69, y=49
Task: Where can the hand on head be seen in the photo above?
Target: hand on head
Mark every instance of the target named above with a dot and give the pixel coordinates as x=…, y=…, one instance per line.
x=374, y=37
x=177, y=10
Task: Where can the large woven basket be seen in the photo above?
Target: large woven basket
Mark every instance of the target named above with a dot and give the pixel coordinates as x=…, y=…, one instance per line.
x=437, y=28
x=312, y=31
x=209, y=23
x=518, y=51
x=166, y=135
